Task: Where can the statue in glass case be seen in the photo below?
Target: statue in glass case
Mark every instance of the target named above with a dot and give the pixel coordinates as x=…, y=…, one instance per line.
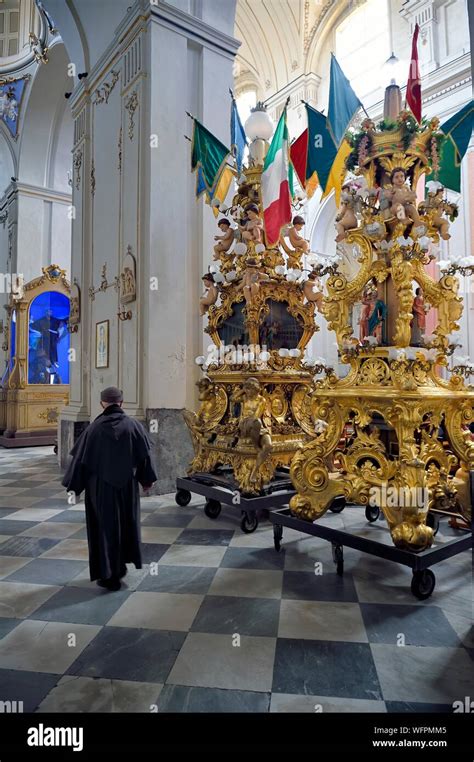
x=48, y=340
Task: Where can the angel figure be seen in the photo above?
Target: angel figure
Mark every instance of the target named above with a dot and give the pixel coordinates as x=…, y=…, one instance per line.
x=253, y=408
x=438, y=206
x=252, y=229
x=401, y=198
x=299, y=243
x=225, y=240
x=312, y=289
x=251, y=280
x=346, y=219
x=210, y=293
x=197, y=421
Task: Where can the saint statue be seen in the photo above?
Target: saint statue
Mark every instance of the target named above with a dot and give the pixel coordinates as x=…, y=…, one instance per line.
x=418, y=324
x=374, y=312
x=50, y=330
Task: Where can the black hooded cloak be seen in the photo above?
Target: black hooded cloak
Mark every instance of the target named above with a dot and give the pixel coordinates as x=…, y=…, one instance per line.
x=110, y=458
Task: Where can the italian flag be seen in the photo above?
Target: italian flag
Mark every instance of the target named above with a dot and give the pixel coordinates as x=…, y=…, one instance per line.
x=277, y=182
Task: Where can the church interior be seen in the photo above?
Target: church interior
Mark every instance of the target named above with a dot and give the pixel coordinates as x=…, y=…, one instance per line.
x=254, y=218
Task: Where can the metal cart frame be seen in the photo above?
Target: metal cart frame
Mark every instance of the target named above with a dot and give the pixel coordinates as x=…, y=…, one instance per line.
x=221, y=490
x=423, y=580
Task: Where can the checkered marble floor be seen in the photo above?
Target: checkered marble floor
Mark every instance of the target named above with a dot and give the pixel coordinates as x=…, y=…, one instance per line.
x=216, y=621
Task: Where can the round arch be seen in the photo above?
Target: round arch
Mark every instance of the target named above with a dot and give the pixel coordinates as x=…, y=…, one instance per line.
x=8, y=162
x=321, y=33
x=321, y=215
x=47, y=124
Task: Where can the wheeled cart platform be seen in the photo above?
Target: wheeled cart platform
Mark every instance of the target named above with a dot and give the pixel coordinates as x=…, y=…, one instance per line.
x=220, y=489
x=423, y=580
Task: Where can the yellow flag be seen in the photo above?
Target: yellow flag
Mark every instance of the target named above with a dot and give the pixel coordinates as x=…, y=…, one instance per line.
x=338, y=172
x=312, y=184
x=222, y=187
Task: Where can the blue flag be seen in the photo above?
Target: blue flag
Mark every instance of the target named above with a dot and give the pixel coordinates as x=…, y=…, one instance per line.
x=321, y=148
x=238, y=139
x=343, y=102
x=201, y=186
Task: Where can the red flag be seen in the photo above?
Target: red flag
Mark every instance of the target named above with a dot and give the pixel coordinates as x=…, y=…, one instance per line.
x=299, y=156
x=413, y=95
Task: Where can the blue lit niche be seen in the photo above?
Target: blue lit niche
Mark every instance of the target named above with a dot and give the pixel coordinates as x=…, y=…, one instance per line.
x=48, y=339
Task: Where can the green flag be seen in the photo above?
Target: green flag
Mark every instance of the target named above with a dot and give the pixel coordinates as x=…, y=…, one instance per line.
x=458, y=131
x=321, y=147
x=208, y=153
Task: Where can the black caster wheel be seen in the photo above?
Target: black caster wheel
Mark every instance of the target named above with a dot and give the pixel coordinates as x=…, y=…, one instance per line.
x=249, y=523
x=277, y=536
x=372, y=512
x=55, y=449
x=337, y=505
x=423, y=584
x=432, y=520
x=338, y=557
x=212, y=508
x=183, y=497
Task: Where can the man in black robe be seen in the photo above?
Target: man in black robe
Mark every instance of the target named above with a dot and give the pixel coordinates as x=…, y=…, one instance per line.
x=110, y=458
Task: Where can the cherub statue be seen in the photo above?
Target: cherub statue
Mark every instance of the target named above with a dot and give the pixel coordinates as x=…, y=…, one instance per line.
x=225, y=240
x=299, y=243
x=197, y=422
x=435, y=205
x=251, y=280
x=312, y=289
x=251, y=421
x=346, y=219
x=372, y=199
x=252, y=229
x=210, y=294
x=401, y=198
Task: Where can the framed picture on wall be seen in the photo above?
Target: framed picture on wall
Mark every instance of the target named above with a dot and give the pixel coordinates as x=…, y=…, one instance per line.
x=102, y=344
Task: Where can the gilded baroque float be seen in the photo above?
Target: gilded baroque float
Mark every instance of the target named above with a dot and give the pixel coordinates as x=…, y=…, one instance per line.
x=399, y=419
x=260, y=312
